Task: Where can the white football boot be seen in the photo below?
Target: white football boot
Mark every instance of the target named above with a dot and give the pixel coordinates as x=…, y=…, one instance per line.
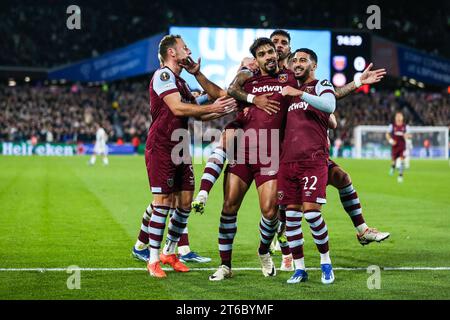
x=267, y=265
x=222, y=273
x=372, y=234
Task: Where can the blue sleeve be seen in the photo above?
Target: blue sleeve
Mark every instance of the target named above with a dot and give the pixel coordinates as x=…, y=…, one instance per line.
x=164, y=82
x=326, y=102
x=202, y=99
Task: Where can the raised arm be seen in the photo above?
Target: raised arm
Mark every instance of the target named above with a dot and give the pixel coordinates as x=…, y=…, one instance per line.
x=367, y=77
x=212, y=89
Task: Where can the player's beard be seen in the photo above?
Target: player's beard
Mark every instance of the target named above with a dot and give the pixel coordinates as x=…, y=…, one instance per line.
x=271, y=70
x=303, y=76
x=282, y=55
x=186, y=61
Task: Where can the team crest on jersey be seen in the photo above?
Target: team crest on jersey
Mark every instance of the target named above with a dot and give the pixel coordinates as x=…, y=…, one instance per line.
x=164, y=76
x=309, y=89
x=325, y=83
x=280, y=195
x=255, y=82
x=283, y=78
x=170, y=182
x=308, y=193
x=232, y=163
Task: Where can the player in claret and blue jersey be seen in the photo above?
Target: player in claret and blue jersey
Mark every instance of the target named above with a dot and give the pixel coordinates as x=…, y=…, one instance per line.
x=397, y=135
x=303, y=174
x=171, y=173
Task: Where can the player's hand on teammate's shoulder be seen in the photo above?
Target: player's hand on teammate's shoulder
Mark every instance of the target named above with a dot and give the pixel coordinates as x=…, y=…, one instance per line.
x=370, y=76
x=250, y=64
x=289, y=91
x=191, y=66
x=264, y=103
x=224, y=104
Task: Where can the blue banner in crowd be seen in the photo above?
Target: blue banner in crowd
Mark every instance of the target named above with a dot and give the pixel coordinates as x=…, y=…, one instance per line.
x=113, y=149
x=136, y=59
x=423, y=67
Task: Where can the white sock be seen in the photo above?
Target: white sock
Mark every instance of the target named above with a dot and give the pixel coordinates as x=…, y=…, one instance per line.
x=140, y=245
x=284, y=256
x=299, y=264
x=105, y=161
x=361, y=228
x=325, y=258
x=92, y=161
x=154, y=255
x=169, y=247
x=183, y=250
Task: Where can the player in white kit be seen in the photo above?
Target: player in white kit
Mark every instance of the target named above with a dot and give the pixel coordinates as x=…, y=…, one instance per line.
x=100, y=147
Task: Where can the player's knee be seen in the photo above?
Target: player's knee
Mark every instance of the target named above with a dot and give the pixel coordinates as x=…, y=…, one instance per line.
x=345, y=179
x=185, y=205
x=269, y=210
x=340, y=179
x=230, y=206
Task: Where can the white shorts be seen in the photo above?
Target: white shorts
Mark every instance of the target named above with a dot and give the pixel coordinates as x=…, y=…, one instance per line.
x=100, y=149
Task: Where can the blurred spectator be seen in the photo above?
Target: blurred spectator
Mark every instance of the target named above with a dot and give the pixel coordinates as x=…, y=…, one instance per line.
x=60, y=115
x=33, y=33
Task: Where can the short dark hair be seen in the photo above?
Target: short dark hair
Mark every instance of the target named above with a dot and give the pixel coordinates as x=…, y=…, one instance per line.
x=312, y=54
x=260, y=42
x=169, y=41
x=280, y=32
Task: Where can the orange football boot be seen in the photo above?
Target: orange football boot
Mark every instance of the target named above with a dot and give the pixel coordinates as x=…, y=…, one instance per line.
x=155, y=270
x=174, y=262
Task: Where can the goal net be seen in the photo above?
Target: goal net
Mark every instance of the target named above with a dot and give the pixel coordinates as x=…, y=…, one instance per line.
x=426, y=142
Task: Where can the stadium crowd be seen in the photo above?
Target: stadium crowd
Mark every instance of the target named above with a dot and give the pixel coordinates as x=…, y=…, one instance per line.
x=68, y=114
x=34, y=34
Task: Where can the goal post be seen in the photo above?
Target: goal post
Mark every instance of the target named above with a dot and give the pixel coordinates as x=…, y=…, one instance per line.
x=427, y=142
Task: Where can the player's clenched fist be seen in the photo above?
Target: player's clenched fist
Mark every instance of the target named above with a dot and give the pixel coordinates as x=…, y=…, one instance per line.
x=289, y=91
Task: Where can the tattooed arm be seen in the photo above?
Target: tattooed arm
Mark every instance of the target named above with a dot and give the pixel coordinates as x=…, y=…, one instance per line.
x=262, y=101
x=367, y=77
x=236, y=87
x=341, y=92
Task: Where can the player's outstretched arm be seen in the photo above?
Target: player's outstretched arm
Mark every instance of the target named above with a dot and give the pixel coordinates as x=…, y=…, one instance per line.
x=181, y=109
x=212, y=89
x=262, y=102
x=369, y=76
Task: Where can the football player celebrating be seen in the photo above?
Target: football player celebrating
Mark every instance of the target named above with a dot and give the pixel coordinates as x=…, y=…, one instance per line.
x=303, y=174
x=250, y=165
x=339, y=178
x=171, y=103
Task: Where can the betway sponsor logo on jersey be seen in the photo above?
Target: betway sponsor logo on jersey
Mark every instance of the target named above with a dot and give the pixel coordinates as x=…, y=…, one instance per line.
x=267, y=88
x=300, y=105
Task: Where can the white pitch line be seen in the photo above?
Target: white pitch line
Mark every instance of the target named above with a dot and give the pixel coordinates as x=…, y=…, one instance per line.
x=212, y=269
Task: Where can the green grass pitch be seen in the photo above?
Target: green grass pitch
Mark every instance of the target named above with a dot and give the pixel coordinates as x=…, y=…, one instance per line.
x=59, y=212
